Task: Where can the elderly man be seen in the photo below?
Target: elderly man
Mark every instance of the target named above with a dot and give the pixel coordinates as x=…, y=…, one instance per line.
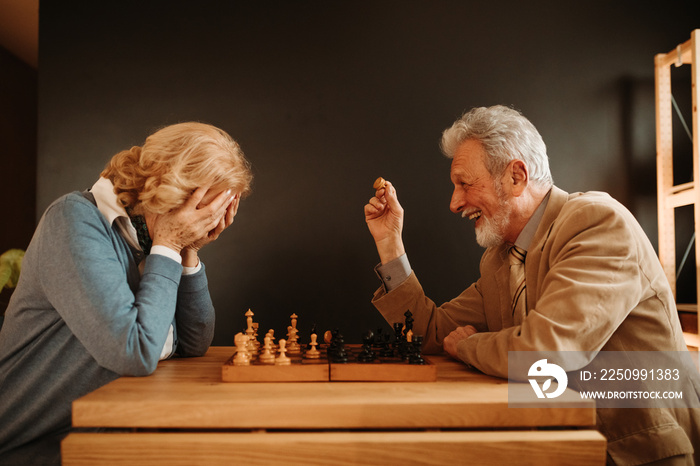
x=591, y=280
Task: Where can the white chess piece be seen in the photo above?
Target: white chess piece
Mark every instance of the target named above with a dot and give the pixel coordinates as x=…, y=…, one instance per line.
x=293, y=346
x=293, y=336
x=253, y=345
x=313, y=353
x=282, y=359
x=267, y=356
x=271, y=334
x=255, y=334
x=249, y=320
x=242, y=358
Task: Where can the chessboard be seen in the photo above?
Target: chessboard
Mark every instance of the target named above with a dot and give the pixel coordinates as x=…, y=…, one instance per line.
x=380, y=358
x=323, y=369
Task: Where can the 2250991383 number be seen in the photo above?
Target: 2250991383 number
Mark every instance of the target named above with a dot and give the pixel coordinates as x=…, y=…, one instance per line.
x=639, y=374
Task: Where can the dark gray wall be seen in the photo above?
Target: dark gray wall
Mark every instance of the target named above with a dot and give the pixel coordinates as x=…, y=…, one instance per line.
x=326, y=96
x=18, y=133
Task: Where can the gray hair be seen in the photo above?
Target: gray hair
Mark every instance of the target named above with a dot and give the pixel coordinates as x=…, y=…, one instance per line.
x=505, y=135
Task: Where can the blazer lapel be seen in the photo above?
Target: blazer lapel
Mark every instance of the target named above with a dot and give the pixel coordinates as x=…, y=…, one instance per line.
x=556, y=202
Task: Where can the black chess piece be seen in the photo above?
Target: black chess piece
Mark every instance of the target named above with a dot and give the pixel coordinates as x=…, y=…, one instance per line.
x=339, y=355
x=378, y=338
x=407, y=350
x=409, y=321
x=333, y=344
x=367, y=354
x=416, y=356
x=386, y=350
x=398, y=331
x=399, y=338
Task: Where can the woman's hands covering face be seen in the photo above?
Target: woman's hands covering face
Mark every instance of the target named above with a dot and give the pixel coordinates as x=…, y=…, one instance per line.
x=199, y=221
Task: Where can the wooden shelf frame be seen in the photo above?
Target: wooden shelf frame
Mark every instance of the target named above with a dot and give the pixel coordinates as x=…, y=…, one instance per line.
x=671, y=196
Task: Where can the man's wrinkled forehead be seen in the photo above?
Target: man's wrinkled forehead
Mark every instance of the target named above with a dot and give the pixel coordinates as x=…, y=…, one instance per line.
x=468, y=165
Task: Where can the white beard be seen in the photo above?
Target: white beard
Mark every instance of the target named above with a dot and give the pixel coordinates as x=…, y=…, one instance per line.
x=491, y=231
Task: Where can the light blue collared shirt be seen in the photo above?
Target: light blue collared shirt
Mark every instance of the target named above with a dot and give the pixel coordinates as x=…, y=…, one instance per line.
x=525, y=237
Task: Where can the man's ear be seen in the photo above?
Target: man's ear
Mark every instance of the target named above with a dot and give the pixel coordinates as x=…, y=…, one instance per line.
x=518, y=177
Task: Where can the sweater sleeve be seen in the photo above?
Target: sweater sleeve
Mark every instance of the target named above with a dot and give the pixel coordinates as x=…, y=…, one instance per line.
x=432, y=321
x=195, y=315
x=85, y=278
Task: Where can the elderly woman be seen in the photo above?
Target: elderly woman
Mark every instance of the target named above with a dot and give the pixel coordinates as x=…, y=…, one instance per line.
x=112, y=282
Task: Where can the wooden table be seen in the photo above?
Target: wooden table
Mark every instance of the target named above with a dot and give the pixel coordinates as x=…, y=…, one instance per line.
x=184, y=415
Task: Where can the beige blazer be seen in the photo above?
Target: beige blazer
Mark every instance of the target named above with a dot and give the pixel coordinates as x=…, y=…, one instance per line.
x=594, y=283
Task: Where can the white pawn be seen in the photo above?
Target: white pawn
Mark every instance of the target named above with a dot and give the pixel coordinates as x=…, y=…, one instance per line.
x=250, y=345
x=242, y=357
x=255, y=334
x=293, y=347
x=313, y=353
x=271, y=334
x=267, y=356
x=282, y=359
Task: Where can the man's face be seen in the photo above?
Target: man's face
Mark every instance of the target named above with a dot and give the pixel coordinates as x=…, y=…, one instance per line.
x=478, y=196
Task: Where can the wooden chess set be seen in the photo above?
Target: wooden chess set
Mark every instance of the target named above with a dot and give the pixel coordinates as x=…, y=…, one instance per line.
x=380, y=358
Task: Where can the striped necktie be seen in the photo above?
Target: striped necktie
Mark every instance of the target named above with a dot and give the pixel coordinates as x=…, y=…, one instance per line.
x=518, y=306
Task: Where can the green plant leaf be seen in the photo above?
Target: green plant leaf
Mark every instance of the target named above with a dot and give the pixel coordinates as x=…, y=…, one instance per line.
x=10, y=265
x=5, y=273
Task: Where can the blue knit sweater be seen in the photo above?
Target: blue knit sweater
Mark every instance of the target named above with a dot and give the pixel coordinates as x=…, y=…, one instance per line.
x=81, y=316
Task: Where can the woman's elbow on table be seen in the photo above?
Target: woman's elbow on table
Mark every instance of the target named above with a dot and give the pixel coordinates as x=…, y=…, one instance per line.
x=194, y=347
x=135, y=363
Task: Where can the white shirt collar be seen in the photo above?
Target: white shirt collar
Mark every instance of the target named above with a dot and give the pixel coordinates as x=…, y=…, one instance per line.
x=107, y=201
x=112, y=209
